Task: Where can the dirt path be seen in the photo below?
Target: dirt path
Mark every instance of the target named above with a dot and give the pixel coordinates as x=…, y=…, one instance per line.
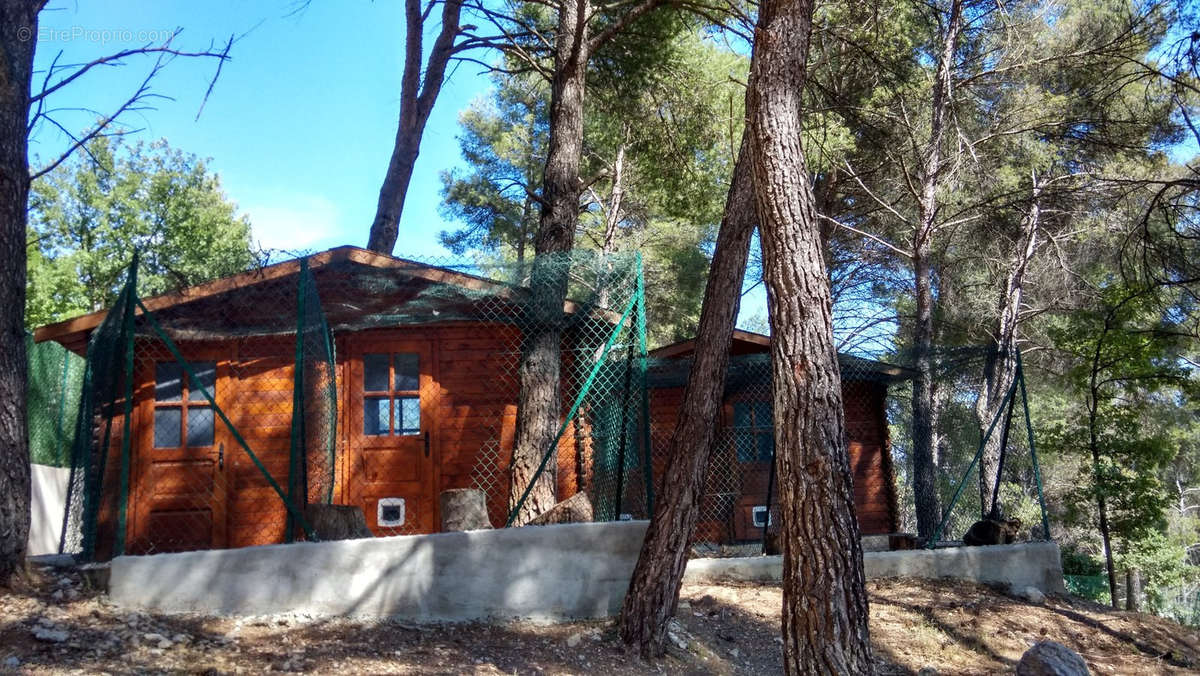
x=59, y=626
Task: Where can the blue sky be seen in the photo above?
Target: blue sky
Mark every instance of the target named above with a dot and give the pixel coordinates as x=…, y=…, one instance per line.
x=301, y=123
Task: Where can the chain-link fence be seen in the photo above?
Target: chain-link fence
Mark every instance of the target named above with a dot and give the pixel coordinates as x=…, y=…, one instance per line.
x=227, y=414
x=739, y=506
x=969, y=437
x=55, y=377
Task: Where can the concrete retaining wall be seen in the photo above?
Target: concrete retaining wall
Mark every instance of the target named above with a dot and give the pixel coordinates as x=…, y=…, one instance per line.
x=548, y=573
x=48, y=499
x=1031, y=564
x=544, y=573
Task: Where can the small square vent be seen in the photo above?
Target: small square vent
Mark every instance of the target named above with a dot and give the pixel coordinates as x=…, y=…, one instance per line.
x=761, y=516
x=390, y=512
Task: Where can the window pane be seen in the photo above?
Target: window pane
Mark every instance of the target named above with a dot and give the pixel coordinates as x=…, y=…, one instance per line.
x=409, y=414
x=168, y=423
x=199, y=426
x=408, y=372
x=762, y=414
x=375, y=415
x=766, y=443
x=168, y=381
x=206, y=376
x=375, y=372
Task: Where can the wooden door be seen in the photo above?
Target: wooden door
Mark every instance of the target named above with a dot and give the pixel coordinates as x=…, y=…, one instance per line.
x=390, y=427
x=179, y=493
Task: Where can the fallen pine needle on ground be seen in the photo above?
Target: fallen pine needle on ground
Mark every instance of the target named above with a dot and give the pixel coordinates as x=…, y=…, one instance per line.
x=57, y=625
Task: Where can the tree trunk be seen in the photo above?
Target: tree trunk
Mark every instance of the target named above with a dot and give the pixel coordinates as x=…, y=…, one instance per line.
x=824, y=597
x=18, y=33
x=417, y=97
x=538, y=404
x=1133, y=585
x=654, y=590
x=924, y=469
x=1098, y=482
x=1000, y=369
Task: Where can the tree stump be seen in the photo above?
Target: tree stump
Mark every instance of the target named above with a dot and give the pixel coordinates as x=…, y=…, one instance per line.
x=337, y=522
x=575, y=509
x=464, y=509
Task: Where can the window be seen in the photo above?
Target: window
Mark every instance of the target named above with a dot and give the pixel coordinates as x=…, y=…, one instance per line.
x=183, y=417
x=391, y=394
x=753, y=431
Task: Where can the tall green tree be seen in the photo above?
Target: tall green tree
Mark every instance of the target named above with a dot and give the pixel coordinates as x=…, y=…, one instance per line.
x=656, y=152
x=88, y=216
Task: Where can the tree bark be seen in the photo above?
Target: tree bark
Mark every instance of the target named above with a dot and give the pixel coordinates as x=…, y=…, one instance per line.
x=1000, y=369
x=417, y=97
x=18, y=33
x=824, y=597
x=539, y=401
x=654, y=590
x=924, y=469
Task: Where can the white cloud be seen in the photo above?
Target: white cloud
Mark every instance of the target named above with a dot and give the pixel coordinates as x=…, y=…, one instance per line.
x=294, y=221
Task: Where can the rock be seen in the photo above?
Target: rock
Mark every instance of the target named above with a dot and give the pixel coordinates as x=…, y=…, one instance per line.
x=928, y=671
x=575, y=509
x=735, y=653
x=164, y=644
x=12, y=662
x=337, y=522
x=57, y=595
x=1033, y=595
x=48, y=635
x=464, y=509
x=574, y=640
x=684, y=605
x=1048, y=658
x=677, y=640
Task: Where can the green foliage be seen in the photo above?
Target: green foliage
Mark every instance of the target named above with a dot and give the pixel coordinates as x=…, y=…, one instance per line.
x=89, y=215
x=663, y=115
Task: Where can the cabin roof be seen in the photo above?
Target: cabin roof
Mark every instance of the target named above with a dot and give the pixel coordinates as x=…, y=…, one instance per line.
x=749, y=343
x=358, y=289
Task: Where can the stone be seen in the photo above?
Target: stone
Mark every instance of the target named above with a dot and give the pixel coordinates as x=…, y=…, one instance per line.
x=1033, y=595
x=337, y=522
x=12, y=662
x=574, y=640
x=575, y=509
x=1049, y=658
x=928, y=671
x=49, y=635
x=464, y=509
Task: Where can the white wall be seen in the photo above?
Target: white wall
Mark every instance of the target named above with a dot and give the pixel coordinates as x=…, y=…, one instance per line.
x=48, y=501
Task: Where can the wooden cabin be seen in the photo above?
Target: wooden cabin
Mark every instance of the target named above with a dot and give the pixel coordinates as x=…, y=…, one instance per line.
x=734, y=505
x=426, y=386
x=425, y=375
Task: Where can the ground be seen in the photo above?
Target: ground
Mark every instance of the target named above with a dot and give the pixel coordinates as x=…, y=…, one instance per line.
x=56, y=624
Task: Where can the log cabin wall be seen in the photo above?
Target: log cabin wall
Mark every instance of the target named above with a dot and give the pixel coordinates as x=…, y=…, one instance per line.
x=733, y=487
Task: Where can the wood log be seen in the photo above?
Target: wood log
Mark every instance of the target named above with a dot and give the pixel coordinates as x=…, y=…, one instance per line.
x=337, y=522
x=464, y=509
x=575, y=509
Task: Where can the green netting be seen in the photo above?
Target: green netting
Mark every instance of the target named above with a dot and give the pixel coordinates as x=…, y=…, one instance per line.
x=55, y=378
x=959, y=439
x=217, y=416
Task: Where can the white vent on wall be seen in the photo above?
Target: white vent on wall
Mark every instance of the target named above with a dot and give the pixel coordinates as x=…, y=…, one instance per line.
x=390, y=512
x=760, y=516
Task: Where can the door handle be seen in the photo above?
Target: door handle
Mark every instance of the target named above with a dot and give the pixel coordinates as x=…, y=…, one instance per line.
x=221, y=456
x=427, y=443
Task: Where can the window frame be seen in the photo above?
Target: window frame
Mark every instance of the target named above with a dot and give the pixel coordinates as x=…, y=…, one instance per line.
x=183, y=405
x=392, y=395
x=754, y=430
